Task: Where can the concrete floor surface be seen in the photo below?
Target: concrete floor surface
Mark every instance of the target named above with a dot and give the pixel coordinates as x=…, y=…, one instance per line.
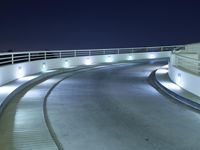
x=115, y=108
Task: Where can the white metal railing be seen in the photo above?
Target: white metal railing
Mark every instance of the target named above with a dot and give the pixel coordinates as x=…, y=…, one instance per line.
x=187, y=63
x=18, y=57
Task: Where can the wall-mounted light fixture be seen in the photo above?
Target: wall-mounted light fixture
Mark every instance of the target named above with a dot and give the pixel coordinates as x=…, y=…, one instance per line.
x=44, y=67
x=66, y=64
x=20, y=72
x=151, y=56
x=179, y=78
x=130, y=57
x=109, y=59
x=88, y=61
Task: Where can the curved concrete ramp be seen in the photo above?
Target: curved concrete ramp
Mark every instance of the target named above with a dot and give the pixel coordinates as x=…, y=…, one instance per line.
x=104, y=108
x=27, y=129
x=23, y=123
x=115, y=108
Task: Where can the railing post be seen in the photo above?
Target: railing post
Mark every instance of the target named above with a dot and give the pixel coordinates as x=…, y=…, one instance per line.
x=89, y=52
x=176, y=61
x=60, y=54
x=45, y=55
x=29, y=57
x=74, y=53
x=12, y=58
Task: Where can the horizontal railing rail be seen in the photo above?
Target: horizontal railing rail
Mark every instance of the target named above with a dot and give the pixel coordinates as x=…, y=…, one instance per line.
x=19, y=57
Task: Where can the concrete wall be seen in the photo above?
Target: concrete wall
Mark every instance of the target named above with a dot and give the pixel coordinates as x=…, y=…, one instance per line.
x=186, y=80
x=15, y=71
x=189, y=55
x=193, y=47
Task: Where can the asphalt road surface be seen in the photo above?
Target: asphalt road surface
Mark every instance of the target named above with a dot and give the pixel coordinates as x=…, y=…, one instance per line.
x=115, y=108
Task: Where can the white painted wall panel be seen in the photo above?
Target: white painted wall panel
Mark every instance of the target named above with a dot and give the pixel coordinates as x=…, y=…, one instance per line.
x=186, y=80
x=15, y=71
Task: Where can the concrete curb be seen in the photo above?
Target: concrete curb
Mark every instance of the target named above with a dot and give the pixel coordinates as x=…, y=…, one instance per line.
x=18, y=94
x=45, y=111
x=174, y=95
x=22, y=89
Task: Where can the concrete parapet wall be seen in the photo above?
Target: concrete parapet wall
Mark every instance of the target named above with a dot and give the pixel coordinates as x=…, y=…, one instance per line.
x=193, y=47
x=11, y=72
x=190, y=55
x=184, y=79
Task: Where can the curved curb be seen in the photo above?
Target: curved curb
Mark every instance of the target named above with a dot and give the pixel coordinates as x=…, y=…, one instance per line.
x=46, y=117
x=14, y=103
x=45, y=111
x=174, y=95
x=11, y=105
x=22, y=89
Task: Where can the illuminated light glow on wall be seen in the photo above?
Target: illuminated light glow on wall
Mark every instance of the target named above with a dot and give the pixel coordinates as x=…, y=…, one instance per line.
x=130, y=57
x=20, y=72
x=66, y=64
x=109, y=59
x=44, y=67
x=88, y=61
x=151, y=56
x=179, y=79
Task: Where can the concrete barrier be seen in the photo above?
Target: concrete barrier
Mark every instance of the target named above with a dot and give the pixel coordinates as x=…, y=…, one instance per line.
x=184, y=79
x=11, y=72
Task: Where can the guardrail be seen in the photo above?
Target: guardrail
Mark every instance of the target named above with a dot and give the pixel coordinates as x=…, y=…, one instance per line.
x=187, y=63
x=19, y=57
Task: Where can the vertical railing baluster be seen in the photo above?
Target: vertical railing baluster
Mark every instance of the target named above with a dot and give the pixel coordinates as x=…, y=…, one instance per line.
x=60, y=54
x=12, y=58
x=89, y=52
x=45, y=55
x=29, y=57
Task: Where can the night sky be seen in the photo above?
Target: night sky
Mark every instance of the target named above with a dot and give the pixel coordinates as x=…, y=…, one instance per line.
x=47, y=24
